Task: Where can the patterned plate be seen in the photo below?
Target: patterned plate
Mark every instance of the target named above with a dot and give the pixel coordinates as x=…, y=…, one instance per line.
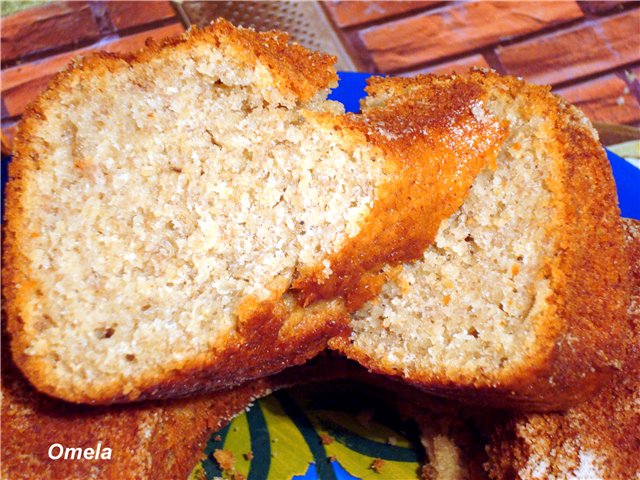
x=337, y=430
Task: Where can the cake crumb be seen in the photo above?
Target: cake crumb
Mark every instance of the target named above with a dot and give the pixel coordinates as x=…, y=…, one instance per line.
x=248, y=456
x=377, y=465
x=225, y=459
x=326, y=439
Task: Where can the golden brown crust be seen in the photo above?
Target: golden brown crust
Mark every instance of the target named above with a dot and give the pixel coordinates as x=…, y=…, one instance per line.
x=295, y=69
x=267, y=339
x=602, y=432
x=578, y=334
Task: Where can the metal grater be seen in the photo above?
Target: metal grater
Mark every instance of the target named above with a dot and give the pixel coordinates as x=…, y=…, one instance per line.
x=305, y=21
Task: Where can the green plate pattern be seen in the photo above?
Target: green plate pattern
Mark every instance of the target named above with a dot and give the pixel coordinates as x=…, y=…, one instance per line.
x=331, y=431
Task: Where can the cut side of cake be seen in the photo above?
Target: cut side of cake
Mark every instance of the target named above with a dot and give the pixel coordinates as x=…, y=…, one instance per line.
x=599, y=438
x=198, y=214
x=520, y=300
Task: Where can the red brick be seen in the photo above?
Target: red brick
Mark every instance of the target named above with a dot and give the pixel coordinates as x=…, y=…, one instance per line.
x=633, y=81
x=460, y=65
x=348, y=14
x=605, y=99
x=125, y=15
x=599, y=7
x=132, y=43
x=8, y=132
x=26, y=72
x=15, y=100
x=21, y=84
x=459, y=28
x=51, y=26
x=589, y=48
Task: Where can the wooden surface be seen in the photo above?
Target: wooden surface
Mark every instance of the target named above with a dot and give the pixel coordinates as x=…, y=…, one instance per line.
x=588, y=51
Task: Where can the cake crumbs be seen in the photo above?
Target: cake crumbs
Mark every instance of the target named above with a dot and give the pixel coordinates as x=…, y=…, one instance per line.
x=217, y=438
x=248, y=456
x=226, y=461
x=326, y=439
x=377, y=465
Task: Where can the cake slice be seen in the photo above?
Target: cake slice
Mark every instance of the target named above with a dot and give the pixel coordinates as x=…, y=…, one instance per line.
x=198, y=214
x=521, y=299
x=597, y=439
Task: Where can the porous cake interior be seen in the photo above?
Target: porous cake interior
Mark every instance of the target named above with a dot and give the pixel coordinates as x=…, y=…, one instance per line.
x=466, y=308
x=170, y=191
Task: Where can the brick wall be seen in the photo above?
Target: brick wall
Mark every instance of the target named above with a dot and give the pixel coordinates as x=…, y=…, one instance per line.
x=581, y=48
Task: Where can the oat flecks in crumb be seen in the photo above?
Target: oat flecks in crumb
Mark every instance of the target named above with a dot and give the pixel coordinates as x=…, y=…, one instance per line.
x=377, y=465
x=326, y=439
